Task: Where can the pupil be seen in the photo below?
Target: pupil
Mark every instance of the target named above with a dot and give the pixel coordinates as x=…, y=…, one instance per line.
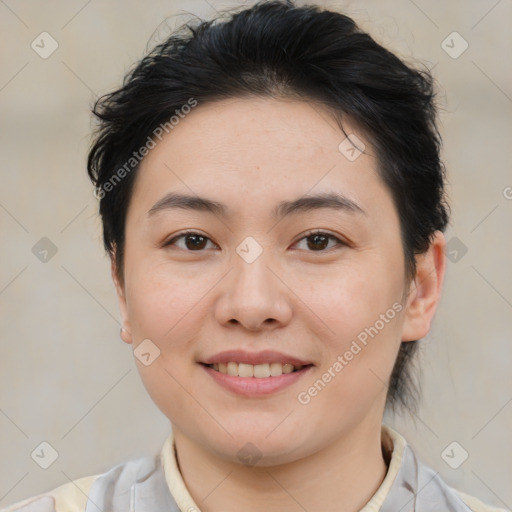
x=323, y=244
x=195, y=245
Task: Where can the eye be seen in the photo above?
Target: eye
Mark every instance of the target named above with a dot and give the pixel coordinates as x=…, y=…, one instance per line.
x=317, y=241
x=193, y=241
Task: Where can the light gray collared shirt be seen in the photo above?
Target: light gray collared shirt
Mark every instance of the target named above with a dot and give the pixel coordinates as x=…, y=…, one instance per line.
x=154, y=484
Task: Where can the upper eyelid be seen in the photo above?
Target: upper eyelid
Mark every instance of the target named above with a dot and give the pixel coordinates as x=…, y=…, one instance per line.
x=340, y=240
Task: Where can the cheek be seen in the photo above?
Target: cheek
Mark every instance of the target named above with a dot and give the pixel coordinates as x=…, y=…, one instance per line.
x=163, y=307
x=161, y=299
x=351, y=298
x=360, y=311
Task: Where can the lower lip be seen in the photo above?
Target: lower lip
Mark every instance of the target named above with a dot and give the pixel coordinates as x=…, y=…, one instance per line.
x=254, y=387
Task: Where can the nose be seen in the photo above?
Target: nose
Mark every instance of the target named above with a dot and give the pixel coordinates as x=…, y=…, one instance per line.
x=254, y=295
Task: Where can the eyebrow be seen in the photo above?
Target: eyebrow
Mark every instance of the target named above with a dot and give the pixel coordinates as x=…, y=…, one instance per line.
x=331, y=200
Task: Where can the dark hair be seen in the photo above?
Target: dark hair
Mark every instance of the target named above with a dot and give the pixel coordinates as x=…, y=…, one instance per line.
x=280, y=50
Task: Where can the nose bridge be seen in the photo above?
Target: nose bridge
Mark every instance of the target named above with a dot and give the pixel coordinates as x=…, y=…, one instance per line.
x=252, y=279
x=253, y=294
x=251, y=276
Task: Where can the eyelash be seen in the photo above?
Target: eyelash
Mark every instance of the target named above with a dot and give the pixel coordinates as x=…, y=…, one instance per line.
x=306, y=235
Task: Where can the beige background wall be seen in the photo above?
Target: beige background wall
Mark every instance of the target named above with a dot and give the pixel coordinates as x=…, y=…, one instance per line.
x=66, y=377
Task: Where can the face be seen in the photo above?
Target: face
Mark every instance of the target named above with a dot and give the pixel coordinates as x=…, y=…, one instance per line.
x=252, y=276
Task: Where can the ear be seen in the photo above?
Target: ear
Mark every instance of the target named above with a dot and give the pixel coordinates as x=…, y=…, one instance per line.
x=425, y=290
x=126, y=331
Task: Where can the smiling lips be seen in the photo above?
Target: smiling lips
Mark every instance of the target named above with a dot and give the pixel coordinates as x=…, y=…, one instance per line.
x=255, y=358
x=260, y=365
x=255, y=374
x=255, y=387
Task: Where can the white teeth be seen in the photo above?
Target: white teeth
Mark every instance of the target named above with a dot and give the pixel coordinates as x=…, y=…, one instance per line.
x=262, y=370
x=232, y=369
x=276, y=369
x=245, y=370
x=287, y=368
x=259, y=371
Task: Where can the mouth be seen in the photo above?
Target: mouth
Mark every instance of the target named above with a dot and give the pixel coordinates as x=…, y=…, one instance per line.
x=256, y=371
x=256, y=381
x=255, y=374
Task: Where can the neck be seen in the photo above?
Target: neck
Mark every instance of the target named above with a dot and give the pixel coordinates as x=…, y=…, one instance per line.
x=343, y=475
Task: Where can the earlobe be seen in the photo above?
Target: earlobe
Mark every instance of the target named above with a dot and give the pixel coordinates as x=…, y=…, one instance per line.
x=125, y=336
x=125, y=332
x=425, y=290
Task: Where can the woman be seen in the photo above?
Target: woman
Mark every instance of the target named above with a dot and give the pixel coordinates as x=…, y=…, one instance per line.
x=272, y=200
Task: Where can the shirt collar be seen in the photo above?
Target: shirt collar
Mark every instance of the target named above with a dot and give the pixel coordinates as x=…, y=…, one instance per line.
x=393, y=446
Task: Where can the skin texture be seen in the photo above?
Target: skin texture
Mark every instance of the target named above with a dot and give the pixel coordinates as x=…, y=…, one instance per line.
x=250, y=154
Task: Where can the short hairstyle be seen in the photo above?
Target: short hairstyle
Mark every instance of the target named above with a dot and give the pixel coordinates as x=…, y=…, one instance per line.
x=280, y=50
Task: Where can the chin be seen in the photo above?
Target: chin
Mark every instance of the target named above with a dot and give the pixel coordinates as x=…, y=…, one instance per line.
x=260, y=448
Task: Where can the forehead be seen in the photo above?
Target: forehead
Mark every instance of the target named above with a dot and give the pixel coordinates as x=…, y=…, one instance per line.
x=257, y=128
x=253, y=152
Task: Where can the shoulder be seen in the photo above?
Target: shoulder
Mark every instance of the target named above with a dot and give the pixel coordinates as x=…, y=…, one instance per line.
x=476, y=505
x=137, y=484
x=424, y=484
x=70, y=497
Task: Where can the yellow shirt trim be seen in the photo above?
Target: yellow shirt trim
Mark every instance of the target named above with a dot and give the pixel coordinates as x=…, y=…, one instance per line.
x=174, y=479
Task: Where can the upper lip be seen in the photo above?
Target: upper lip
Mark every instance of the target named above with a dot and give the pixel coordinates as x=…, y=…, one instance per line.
x=265, y=356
